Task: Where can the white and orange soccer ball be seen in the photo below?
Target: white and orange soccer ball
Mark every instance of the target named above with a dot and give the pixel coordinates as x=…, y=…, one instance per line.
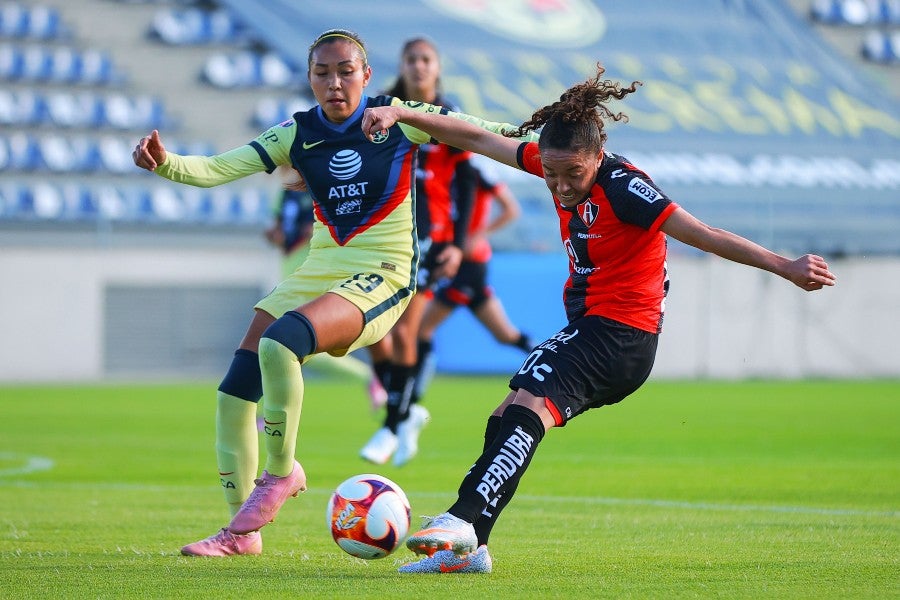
x=368, y=516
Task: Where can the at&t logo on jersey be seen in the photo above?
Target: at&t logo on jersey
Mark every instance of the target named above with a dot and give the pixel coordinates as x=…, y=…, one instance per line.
x=643, y=189
x=345, y=164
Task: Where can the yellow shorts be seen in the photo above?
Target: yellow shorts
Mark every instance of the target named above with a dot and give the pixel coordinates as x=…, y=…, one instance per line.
x=381, y=291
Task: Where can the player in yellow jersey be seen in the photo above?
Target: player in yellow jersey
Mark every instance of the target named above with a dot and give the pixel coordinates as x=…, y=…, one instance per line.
x=352, y=288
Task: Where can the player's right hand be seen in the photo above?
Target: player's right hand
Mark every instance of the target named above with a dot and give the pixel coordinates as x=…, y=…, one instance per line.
x=149, y=152
x=379, y=119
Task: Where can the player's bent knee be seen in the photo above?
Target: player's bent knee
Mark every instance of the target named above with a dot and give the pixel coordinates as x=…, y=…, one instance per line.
x=243, y=379
x=293, y=331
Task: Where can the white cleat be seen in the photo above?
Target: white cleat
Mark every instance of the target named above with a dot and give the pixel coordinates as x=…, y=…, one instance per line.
x=445, y=561
x=380, y=447
x=408, y=434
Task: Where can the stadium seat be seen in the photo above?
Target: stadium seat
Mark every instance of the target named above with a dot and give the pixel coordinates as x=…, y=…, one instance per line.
x=194, y=26
x=882, y=47
x=114, y=156
x=18, y=20
x=24, y=154
x=270, y=111
x=856, y=12
x=249, y=69
x=74, y=110
x=10, y=62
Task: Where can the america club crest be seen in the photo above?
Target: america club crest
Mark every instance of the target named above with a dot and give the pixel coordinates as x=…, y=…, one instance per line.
x=588, y=212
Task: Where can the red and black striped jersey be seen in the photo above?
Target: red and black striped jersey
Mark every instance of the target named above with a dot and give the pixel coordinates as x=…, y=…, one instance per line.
x=617, y=253
x=445, y=189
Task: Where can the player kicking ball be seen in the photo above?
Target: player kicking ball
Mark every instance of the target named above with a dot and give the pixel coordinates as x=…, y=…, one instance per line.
x=613, y=221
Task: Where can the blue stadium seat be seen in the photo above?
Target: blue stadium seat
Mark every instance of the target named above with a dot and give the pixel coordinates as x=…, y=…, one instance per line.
x=882, y=47
x=114, y=156
x=13, y=20
x=62, y=154
x=10, y=62
x=36, y=63
x=24, y=154
x=120, y=111
x=270, y=111
x=18, y=20
x=249, y=69
x=194, y=26
x=856, y=12
x=81, y=110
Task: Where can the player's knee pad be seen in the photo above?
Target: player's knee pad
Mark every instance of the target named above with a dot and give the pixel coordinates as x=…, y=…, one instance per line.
x=293, y=331
x=243, y=379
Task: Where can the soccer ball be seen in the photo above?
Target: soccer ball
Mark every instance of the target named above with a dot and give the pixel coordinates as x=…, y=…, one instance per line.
x=369, y=516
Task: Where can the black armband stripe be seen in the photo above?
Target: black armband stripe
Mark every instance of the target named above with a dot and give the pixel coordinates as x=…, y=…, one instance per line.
x=264, y=156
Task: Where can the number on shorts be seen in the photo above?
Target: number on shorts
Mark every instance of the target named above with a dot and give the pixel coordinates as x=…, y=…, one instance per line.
x=373, y=279
x=537, y=370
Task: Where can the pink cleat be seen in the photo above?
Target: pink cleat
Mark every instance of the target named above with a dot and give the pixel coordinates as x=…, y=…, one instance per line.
x=377, y=393
x=266, y=499
x=225, y=543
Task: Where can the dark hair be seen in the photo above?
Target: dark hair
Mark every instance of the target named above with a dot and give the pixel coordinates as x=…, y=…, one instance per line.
x=576, y=121
x=333, y=35
x=399, y=90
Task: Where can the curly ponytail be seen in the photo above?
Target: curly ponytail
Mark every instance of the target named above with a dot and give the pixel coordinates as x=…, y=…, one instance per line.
x=576, y=120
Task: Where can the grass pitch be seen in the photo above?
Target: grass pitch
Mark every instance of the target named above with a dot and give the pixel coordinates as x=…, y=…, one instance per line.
x=685, y=490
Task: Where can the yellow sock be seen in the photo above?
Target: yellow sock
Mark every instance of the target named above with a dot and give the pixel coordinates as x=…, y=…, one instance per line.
x=237, y=448
x=283, y=391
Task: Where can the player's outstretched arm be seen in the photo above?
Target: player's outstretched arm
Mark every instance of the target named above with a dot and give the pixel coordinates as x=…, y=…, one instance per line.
x=809, y=272
x=452, y=131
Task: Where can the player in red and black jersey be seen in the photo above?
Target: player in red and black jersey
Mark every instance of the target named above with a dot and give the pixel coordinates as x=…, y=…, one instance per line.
x=613, y=222
x=445, y=190
x=470, y=288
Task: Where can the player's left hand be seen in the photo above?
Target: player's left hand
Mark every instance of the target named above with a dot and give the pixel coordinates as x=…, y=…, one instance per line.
x=448, y=262
x=810, y=272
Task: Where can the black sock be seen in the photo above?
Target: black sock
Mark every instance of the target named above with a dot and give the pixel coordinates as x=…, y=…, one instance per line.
x=382, y=370
x=424, y=369
x=488, y=517
x=398, y=395
x=524, y=343
x=495, y=475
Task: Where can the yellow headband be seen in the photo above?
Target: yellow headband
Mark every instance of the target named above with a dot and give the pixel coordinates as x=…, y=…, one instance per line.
x=346, y=37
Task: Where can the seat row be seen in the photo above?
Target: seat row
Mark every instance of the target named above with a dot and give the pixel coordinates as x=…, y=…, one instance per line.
x=882, y=47
x=54, y=153
x=82, y=110
x=270, y=111
x=57, y=64
x=250, y=69
x=19, y=20
x=75, y=202
x=856, y=12
x=196, y=26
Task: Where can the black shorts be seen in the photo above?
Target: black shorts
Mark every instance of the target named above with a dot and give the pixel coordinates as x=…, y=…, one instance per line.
x=469, y=287
x=425, y=279
x=591, y=362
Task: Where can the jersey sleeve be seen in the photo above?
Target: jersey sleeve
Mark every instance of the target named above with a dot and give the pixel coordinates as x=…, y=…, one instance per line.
x=635, y=199
x=493, y=126
x=209, y=171
x=270, y=149
x=416, y=136
x=274, y=144
x=529, y=159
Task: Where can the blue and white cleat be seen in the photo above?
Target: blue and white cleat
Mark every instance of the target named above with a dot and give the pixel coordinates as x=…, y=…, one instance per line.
x=446, y=561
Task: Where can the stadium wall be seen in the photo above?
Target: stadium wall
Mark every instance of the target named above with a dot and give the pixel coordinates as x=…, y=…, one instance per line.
x=723, y=320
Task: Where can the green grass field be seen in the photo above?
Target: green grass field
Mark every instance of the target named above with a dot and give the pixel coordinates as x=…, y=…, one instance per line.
x=685, y=490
